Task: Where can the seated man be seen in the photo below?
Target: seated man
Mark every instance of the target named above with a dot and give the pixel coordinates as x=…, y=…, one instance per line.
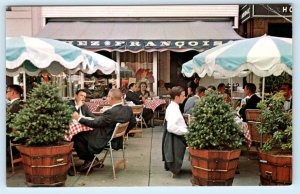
x=287, y=92
x=88, y=143
x=78, y=104
x=191, y=102
x=162, y=89
x=132, y=96
x=13, y=95
x=252, y=101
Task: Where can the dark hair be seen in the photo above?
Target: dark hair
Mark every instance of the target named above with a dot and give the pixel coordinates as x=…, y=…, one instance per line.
x=221, y=85
x=176, y=91
x=251, y=87
x=16, y=88
x=144, y=84
x=211, y=87
x=196, y=76
x=80, y=90
x=131, y=85
x=287, y=84
x=200, y=89
x=169, y=85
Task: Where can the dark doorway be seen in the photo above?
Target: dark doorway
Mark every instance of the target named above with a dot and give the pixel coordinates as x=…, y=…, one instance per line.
x=281, y=30
x=177, y=59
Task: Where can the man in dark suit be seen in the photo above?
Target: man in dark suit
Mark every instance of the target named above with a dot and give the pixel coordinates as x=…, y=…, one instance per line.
x=78, y=104
x=93, y=142
x=286, y=88
x=13, y=95
x=132, y=96
x=252, y=101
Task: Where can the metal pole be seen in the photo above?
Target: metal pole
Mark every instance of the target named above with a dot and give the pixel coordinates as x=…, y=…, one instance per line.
x=231, y=88
x=70, y=85
x=24, y=85
x=81, y=80
x=155, y=72
x=118, y=71
x=263, y=89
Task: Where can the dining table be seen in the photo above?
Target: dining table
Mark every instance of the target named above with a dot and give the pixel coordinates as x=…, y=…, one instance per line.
x=74, y=128
x=154, y=103
x=92, y=106
x=247, y=134
x=100, y=101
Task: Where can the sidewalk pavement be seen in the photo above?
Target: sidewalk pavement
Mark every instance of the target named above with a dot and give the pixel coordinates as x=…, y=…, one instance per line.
x=144, y=168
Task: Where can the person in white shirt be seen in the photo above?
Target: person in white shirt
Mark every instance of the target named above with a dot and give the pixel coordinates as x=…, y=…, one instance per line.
x=174, y=118
x=173, y=142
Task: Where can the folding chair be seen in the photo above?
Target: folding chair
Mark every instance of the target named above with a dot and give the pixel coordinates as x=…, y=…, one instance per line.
x=138, y=113
x=12, y=159
x=119, y=131
x=187, y=119
x=252, y=116
x=73, y=154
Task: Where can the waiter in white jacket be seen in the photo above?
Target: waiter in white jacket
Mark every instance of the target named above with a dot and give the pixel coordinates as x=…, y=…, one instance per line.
x=173, y=143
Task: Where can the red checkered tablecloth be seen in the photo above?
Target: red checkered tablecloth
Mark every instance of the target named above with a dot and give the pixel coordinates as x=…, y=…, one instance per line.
x=92, y=106
x=100, y=101
x=247, y=134
x=75, y=128
x=153, y=104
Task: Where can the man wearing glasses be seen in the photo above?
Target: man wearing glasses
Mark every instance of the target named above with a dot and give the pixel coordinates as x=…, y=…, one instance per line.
x=13, y=95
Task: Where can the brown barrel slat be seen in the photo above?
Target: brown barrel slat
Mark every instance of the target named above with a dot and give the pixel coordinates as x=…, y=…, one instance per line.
x=275, y=169
x=213, y=167
x=46, y=166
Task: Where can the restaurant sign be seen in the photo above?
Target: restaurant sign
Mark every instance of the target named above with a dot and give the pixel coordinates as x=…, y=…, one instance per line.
x=273, y=10
x=151, y=45
x=265, y=10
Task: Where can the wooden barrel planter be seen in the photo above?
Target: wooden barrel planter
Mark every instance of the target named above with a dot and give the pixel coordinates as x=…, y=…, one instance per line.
x=275, y=169
x=47, y=165
x=213, y=167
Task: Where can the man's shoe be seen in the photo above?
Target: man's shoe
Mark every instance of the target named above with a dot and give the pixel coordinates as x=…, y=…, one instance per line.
x=85, y=166
x=71, y=171
x=98, y=163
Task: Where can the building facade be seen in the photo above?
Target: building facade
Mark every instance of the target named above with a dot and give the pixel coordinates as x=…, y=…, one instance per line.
x=149, y=42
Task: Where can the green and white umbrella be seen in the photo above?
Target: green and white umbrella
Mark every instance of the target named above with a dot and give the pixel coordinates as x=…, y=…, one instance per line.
x=264, y=56
x=34, y=55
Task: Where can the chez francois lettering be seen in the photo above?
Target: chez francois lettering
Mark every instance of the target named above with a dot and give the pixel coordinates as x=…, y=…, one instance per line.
x=146, y=43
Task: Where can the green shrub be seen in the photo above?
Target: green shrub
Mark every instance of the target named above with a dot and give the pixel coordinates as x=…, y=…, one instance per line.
x=276, y=122
x=43, y=119
x=214, y=125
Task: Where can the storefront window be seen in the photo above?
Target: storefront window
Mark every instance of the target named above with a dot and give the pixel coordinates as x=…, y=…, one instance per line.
x=137, y=67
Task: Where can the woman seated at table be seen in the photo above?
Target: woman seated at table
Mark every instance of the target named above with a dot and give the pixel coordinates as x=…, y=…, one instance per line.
x=132, y=96
x=221, y=90
x=143, y=93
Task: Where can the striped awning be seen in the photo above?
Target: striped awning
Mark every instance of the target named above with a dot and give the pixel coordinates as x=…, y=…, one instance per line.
x=142, y=36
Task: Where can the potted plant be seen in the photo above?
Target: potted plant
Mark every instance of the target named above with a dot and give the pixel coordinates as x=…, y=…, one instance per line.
x=276, y=153
x=40, y=128
x=214, y=139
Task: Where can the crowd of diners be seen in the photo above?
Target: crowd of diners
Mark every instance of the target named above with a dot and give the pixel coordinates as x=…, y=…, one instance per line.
x=183, y=100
